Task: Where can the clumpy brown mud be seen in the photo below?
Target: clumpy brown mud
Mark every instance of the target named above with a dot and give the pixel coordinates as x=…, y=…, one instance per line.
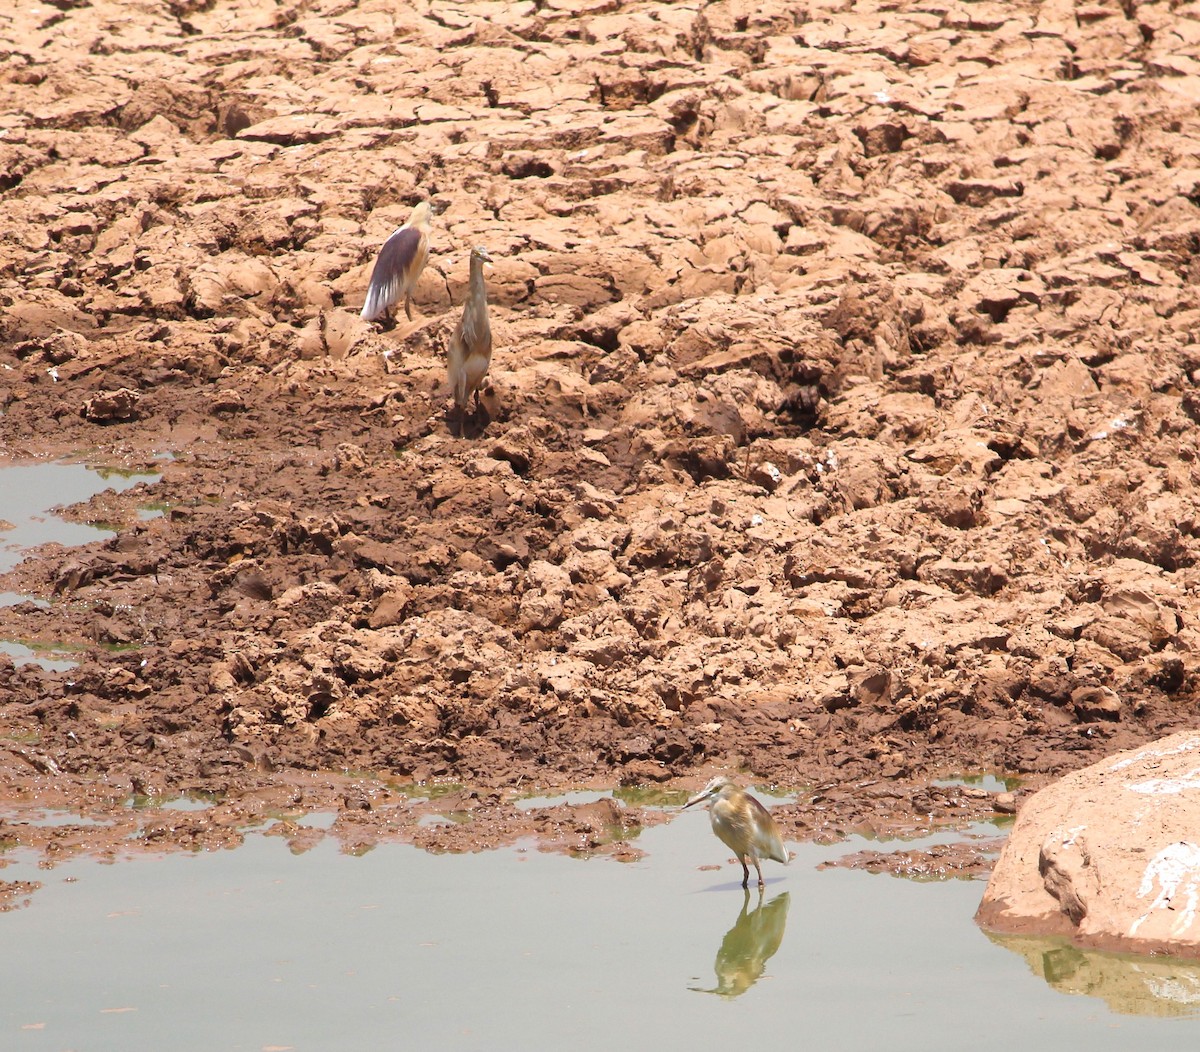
x=845, y=357
x=963, y=860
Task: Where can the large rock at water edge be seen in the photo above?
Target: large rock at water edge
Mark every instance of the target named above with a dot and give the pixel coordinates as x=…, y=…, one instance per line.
x=1109, y=855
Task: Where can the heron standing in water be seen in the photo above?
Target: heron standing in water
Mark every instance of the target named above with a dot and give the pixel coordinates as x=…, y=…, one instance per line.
x=399, y=265
x=742, y=824
x=470, y=352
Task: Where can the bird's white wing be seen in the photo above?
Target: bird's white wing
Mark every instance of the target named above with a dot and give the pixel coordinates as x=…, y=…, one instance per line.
x=767, y=841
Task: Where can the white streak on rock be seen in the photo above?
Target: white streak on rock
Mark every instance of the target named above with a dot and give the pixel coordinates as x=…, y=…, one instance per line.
x=1175, y=870
x=1190, y=780
x=1152, y=753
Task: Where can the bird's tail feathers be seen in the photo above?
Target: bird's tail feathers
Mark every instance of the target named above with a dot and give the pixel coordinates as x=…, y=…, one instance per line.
x=461, y=397
x=376, y=303
x=777, y=852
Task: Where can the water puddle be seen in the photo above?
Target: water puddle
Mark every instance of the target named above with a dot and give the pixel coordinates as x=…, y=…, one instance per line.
x=28, y=492
x=642, y=796
x=424, y=790
x=990, y=783
x=262, y=947
x=188, y=802
x=16, y=599
x=52, y=658
x=582, y=796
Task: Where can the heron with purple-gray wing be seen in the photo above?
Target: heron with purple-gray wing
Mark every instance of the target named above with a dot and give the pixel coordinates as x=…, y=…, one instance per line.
x=742, y=824
x=399, y=265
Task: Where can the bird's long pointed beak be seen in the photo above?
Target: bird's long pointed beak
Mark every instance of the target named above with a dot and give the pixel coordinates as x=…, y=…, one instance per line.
x=698, y=798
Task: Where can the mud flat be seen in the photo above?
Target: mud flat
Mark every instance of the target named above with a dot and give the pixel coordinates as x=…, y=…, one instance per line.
x=846, y=357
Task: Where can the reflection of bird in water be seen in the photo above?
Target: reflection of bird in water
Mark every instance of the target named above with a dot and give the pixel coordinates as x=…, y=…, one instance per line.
x=752, y=941
x=399, y=265
x=742, y=824
x=470, y=352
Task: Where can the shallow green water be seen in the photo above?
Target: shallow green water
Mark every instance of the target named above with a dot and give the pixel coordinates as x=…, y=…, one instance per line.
x=516, y=948
x=50, y=657
x=28, y=492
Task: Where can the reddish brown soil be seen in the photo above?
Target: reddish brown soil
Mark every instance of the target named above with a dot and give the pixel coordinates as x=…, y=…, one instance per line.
x=846, y=355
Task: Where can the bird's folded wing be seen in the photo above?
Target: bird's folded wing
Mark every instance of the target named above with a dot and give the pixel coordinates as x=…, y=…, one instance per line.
x=395, y=260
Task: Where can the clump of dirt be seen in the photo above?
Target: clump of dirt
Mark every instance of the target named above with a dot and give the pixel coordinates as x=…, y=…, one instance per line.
x=846, y=359
x=963, y=860
x=15, y=894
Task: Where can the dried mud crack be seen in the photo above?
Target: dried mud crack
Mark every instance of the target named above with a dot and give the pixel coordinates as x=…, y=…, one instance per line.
x=847, y=357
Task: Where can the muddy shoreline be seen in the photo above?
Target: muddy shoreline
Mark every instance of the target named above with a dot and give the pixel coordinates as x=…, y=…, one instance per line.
x=847, y=440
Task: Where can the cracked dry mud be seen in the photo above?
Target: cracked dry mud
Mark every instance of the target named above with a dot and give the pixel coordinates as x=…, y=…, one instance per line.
x=846, y=354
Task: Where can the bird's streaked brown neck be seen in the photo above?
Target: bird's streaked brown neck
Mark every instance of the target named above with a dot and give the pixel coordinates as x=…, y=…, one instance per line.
x=477, y=283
